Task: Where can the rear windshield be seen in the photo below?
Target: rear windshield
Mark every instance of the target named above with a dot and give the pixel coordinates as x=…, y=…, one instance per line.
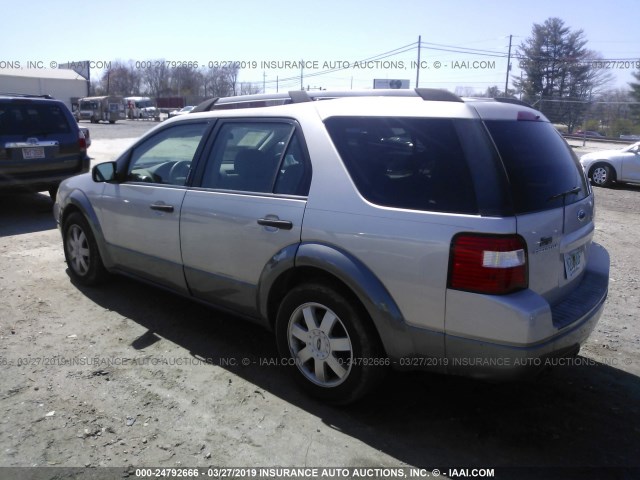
x=412, y=163
x=32, y=119
x=543, y=171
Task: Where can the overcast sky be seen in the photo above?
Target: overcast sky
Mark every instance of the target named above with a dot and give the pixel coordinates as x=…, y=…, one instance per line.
x=322, y=33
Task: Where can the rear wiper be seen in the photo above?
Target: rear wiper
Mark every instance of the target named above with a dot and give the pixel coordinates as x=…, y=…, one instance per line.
x=563, y=195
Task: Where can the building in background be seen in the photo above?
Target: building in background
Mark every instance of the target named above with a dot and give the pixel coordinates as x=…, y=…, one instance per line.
x=65, y=85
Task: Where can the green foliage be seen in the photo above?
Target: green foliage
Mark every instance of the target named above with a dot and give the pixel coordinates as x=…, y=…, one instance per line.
x=622, y=126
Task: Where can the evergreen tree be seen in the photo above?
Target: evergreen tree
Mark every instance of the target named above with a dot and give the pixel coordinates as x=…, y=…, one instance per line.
x=559, y=74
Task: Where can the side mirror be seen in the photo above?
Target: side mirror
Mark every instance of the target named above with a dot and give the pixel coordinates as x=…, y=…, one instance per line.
x=104, y=172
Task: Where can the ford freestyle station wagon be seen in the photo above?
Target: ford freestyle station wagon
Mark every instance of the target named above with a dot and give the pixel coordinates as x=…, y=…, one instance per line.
x=404, y=230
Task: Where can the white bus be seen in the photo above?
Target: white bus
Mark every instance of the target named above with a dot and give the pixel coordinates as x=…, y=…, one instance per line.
x=95, y=109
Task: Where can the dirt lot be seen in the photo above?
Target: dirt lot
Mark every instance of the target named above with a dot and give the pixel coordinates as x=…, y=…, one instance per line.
x=127, y=375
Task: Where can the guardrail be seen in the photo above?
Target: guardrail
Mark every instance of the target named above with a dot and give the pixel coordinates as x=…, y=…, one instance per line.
x=599, y=139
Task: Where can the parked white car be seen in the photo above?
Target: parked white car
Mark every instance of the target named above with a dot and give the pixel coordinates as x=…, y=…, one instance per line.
x=609, y=166
x=182, y=111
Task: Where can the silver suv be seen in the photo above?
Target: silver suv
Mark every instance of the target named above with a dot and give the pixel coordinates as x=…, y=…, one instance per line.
x=411, y=230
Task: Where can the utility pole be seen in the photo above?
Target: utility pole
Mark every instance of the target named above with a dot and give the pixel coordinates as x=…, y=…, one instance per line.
x=506, y=82
x=418, y=67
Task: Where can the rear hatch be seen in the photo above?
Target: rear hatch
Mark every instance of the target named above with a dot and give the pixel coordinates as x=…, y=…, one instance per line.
x=37, y=139
x=551, y=199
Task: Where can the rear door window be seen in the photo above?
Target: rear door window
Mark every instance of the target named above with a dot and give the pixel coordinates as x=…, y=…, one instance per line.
x=543, y=172
x=258, y=156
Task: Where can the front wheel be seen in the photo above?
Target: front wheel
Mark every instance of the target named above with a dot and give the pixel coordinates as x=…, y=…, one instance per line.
x=81, y=251
x=601, y=175
x=332, y=342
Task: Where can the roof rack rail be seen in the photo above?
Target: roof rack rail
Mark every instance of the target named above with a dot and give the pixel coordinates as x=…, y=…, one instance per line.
x=304, y=96
x=514, y=101
x=299, y=96
x=437, y=95
x=26, y=95
x=205, y=106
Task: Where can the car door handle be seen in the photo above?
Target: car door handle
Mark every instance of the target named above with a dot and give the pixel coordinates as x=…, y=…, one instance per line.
x=161, y=207
x=272, y=222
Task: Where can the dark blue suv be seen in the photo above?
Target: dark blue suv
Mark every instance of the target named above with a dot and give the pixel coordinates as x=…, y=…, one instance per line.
x=40, y=144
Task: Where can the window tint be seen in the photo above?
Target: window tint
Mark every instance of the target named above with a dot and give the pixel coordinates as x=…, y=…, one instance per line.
x=32, y=119
x=539, y=163
x=166, y=157
x=248, y=156
x=294, y=175
x=413, y=163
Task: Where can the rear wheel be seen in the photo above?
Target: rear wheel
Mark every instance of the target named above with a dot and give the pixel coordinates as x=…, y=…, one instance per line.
x=601, y=175
x=81, y=251
x=330, y=339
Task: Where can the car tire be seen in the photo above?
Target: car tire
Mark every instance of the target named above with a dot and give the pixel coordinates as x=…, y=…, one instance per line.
x=81, y=251
x=601, y=175
x=330, y=339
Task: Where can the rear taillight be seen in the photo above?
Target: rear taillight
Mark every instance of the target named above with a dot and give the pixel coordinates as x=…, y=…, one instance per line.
x=82, y=142
x=491, y=264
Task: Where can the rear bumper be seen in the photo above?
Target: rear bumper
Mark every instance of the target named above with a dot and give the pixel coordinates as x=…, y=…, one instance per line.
x=483, y=359
x=506, y=337
x=38, y=182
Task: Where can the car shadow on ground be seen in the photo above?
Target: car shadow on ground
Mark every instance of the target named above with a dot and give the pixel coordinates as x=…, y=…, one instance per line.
x=25, y=213
x=632, y=187
x=584, y=415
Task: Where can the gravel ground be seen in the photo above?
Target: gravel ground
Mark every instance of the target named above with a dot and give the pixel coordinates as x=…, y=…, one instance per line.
x=128, y=376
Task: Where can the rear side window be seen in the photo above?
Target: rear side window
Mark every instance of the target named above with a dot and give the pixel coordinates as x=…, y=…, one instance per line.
x=32, y=119
x=541, y=167
x=413, y=163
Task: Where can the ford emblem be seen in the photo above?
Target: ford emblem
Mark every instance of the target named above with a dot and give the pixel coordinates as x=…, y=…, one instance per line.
x=582, y=215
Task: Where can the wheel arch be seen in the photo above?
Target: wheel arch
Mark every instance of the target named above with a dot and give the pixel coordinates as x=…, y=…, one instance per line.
x=314, y=262
x=77, y=202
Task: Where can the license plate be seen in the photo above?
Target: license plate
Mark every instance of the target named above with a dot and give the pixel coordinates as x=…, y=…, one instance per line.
x=573, y=263
x=32, y=152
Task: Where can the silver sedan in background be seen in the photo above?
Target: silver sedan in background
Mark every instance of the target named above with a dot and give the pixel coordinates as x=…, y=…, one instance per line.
x=609, y=166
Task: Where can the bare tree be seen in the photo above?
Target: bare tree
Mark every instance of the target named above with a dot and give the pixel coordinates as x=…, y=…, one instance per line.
x=612, y=112
x=121, y=79
x=635, y=95
x=185, y=81
x=220, y=81
x=156, y=76
x=465, y=92
x=248, y=88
